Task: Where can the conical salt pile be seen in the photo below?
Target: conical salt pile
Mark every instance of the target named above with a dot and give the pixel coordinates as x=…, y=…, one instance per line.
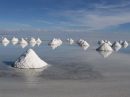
x=5, y=40
x=101, y=42
x=109, y=43
x=116, y=44
x=125, y=44
x=30, y=60
x=104, y=47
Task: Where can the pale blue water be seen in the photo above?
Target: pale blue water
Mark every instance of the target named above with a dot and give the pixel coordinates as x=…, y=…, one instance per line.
x=73, y=71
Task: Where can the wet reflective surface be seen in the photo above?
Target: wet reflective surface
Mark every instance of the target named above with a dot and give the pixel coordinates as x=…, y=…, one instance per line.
x=72, y=72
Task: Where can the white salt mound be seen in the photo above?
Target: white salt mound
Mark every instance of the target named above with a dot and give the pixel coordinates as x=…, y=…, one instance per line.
x=125, y=44
x=109, y=43
x=32, y=40
x=5, y=40
x=116, y=44
x=70, y=40
x=101, y=42
x=55, y=41
x=82, y=42
x=29, y=60
x=104, y=47
x=23, y=41
x=38, y=41
x=14, y=40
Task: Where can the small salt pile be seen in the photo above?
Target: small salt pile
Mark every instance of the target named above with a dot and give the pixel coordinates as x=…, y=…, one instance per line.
x=38, y=41
x=109, y=43
x=32, y=40
x=5, y=40
x=14, y=40
x=120, y=41
x=23, y=41
x=55, y=41
x=116, y=46
x=101, y=42
x=82, y=43
x=29, y=60
x=125, y=44
x=104, y=47
x=70, y=40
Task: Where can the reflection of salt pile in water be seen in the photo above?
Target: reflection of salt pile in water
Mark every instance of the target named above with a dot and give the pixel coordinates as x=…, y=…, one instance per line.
x=83, y=43
x=14, y=40
x=30, y=75
x=125, y=44
x=70, y=40
x=104, y=47
x=116, y=46
x=30, y=60
x=55, y=42
x=105, y=54
x=5, y=41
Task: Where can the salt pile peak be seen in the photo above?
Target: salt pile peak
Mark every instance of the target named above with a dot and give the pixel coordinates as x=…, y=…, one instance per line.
x=32, y=40
x=38, y=41
x=125, y=44
x=101, y=42
x=70, y=40
x=14, y=40
x=55, y=41
x=82, y=43
x=30, y=60
x=23, y=41
x=5, y=40
x=105, y=47
x=116, y=44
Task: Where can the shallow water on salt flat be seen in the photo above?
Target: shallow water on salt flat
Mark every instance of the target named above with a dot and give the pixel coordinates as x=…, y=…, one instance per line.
x=72, y=72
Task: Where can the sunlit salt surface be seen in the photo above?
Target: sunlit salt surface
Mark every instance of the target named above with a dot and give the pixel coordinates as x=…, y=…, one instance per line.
x=29, y=60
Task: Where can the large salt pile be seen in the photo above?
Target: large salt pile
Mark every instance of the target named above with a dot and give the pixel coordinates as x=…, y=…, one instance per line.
x=125, y=44
x=104, y=47
x=14, y=40
x=30, y=60
x=116, y=46
x=82, y=43
x=70, y=40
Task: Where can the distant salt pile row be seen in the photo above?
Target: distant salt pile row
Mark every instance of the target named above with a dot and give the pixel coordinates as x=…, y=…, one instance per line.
x=23, y=42
x=108, y=46
x=30, y=60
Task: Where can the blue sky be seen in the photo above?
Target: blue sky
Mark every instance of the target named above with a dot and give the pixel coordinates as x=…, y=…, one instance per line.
x=65, y=15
